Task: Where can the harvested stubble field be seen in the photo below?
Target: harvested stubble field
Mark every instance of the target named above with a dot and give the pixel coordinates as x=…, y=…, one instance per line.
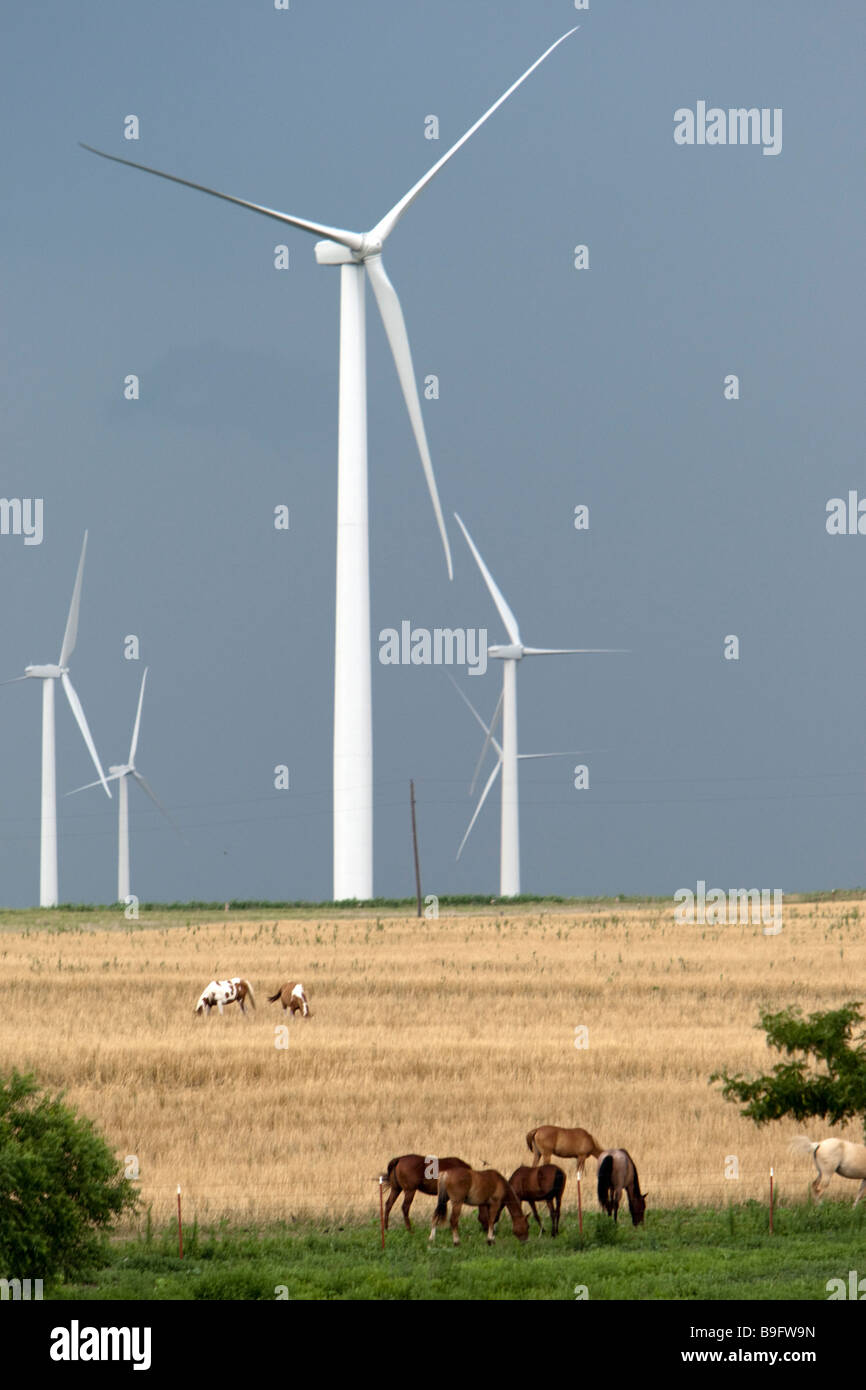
x=452, y=1036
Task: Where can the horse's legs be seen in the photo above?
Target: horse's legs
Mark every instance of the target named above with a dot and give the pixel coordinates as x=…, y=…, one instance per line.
x=393, y=1194
x=456, y=1208
x=495, y=1209
x=860, y=1191
x=484, y=1215
x=220, y=1006
x=432, y=1235
x=554, y=1215
x=408, y=1199
x=534, y=1211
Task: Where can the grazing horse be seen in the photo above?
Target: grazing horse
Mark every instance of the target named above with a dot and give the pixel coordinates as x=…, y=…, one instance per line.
x=564, y=1143
x=487, y=1189
x=220, y=992
x=616, y=1171
x=408, y=1175
x=292, y=998
x=834, y=1156
x=545, y=1184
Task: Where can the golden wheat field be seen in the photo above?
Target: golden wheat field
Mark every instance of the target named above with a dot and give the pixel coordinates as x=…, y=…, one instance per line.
x=453, y=1036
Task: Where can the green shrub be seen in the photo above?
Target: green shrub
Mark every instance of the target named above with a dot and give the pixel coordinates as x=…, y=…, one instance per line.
x=61, y=1187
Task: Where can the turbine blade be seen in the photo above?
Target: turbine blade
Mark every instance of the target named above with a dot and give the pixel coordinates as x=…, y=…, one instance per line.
x=112, y=777
x=354, y=240
x=134, y=744
x=488, y=732
x=570, y=651
x=71, y=634
x=14, y=679
x=156, y=801
x=566, y=753
x=395, y=329
x=505, y=612
x=487, y=742
x=491, y=779
x=77, y=710
x=385, y=227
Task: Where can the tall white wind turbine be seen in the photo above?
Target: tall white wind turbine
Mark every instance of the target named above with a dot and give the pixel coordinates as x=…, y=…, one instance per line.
x=119, y=773
x=355, y=253
x=508, y=756
x=48, y=675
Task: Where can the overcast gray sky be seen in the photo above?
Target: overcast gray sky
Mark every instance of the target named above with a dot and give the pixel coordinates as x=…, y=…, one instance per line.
x=558, y=387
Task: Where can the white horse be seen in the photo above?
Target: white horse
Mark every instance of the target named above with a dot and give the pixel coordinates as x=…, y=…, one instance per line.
x=220, y=992
x=834, y=1156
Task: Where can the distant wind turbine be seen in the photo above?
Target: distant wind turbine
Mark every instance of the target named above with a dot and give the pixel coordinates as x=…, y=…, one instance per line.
x=119, y=773
x=508, y=756
x=355, y=253
x=48, y=675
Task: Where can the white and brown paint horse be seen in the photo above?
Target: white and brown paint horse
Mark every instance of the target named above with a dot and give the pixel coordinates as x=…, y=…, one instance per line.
x=221, y=992
x=292, y=998
x=833, y=1156
x=617, y=1174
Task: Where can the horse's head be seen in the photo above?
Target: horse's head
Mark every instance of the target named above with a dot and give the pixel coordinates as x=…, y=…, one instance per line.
x=637, y=1206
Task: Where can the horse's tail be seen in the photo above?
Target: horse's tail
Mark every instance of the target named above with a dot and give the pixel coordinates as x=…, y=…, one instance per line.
x=605, y=1175
x=250, y=992
x=272, y=998
x=442, y=1203
x=389, y=1173
x=530, y=1140
x=802, y=1144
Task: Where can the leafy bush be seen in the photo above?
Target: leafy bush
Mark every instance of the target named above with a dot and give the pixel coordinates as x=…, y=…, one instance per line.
x=61, y=1187
x=833, y=1086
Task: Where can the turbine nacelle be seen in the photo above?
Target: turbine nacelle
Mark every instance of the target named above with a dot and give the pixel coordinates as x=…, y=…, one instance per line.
x=332, y=253
x=513, y=653
x=120, y=771
x=337, y=253
x=45, y=672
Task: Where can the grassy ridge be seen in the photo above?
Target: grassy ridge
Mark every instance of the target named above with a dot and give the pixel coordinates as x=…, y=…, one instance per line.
x=683, y=1254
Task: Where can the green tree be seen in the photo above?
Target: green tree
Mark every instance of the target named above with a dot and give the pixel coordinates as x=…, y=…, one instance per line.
x=61, y=1187
x=828, y=1080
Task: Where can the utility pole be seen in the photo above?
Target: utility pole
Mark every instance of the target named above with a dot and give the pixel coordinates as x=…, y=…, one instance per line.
x=415, y=846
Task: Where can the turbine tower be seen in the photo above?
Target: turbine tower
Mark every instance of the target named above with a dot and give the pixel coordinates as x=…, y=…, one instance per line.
x=119, y=773
x=510, y=655
x=48, y=675
x=355, y=253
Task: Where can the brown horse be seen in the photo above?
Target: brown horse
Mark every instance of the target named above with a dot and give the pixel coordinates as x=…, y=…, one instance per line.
x=414, y=1173
x=487, y=1189
x=565, y=1143
x=616, y=1171
x=545, y=1184
x=292, y=998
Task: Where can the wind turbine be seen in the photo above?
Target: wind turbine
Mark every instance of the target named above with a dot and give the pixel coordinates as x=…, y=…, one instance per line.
x=48, y=675
x=119, y=773
x=355, y=253
x=508, y=756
